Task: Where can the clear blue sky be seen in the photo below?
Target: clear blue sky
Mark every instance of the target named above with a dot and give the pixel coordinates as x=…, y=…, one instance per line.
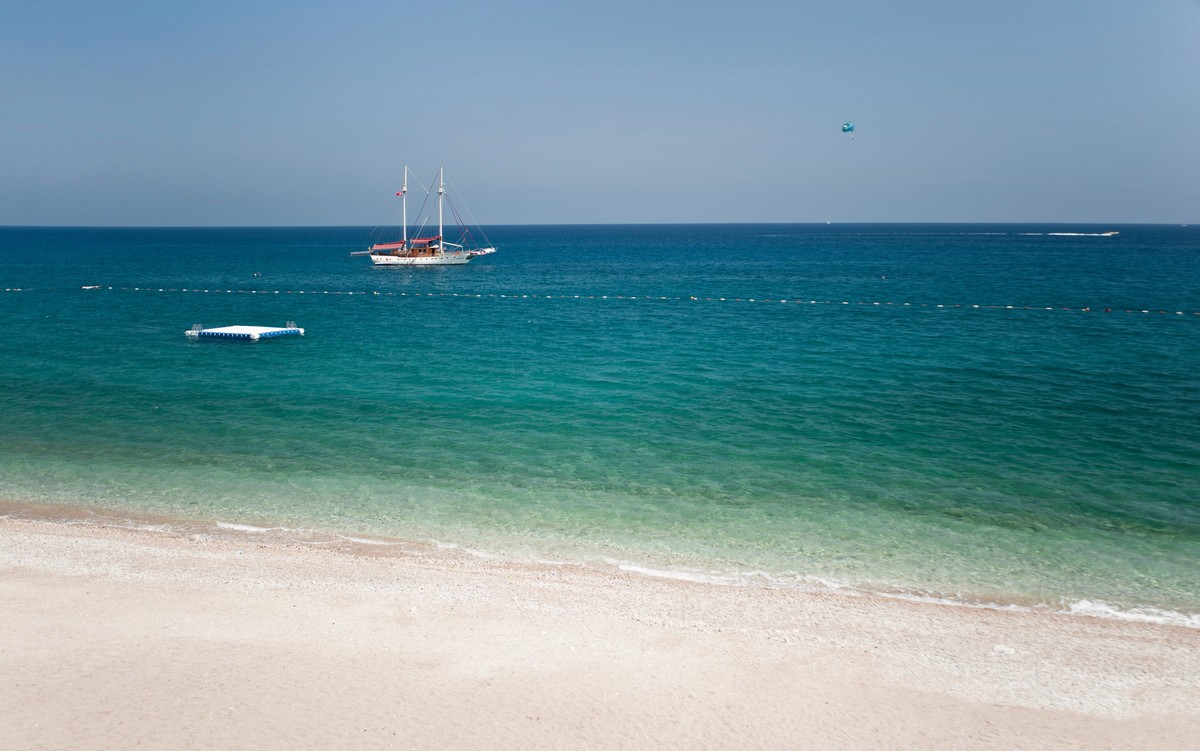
x=304, y=113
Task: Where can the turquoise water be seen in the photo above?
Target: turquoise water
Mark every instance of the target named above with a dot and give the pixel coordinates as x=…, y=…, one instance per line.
x=856, y=405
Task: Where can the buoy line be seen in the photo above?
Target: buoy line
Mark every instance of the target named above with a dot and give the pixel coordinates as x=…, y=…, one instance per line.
x=656, y=298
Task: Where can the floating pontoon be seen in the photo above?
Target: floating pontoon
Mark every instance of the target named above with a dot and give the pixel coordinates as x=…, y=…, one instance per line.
x=251, y=333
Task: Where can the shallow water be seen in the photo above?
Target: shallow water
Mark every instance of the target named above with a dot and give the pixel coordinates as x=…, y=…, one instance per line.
x=943, y=410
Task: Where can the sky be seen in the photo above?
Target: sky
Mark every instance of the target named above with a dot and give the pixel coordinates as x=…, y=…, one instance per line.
x=274, y=113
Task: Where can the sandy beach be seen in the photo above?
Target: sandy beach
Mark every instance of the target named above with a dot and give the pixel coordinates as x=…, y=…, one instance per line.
x=190, y=637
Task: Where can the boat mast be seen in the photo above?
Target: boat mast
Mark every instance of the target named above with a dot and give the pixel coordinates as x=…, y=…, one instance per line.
x=404, y=207
x=441, y=190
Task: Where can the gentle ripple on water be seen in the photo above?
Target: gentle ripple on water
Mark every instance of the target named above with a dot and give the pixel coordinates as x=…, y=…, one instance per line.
x=959, y=451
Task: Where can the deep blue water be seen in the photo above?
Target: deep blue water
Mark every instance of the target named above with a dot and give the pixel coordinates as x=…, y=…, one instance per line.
x=964, y=411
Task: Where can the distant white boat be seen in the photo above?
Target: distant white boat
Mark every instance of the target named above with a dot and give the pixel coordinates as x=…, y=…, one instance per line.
x=433, y=250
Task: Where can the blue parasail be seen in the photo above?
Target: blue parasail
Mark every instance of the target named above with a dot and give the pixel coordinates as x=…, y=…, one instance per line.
x=847, y=127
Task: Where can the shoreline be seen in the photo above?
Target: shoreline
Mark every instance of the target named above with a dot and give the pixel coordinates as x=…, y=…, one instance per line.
x=371, y=544
x=171, y=638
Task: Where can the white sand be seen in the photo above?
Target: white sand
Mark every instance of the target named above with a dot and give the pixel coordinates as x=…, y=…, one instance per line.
x=209, y=638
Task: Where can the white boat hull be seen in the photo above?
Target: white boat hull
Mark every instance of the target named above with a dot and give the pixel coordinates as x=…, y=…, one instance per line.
x=448, y=259
x=453, y=258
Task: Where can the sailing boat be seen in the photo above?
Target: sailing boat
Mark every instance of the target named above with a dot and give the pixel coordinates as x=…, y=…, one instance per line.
x=433, y=250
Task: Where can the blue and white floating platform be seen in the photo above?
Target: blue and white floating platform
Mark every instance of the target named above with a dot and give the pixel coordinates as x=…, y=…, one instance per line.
x=249, y=333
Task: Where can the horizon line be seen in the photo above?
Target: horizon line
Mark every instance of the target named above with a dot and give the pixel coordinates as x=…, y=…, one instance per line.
x=606, y=224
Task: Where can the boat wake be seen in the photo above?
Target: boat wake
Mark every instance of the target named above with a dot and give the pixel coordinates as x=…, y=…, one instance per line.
x=1110, y=233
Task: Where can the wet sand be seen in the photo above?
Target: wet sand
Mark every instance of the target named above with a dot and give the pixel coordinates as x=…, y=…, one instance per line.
x=196, y=636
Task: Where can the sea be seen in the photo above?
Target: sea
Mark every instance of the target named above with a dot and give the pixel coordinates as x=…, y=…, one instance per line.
x=989, y=415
